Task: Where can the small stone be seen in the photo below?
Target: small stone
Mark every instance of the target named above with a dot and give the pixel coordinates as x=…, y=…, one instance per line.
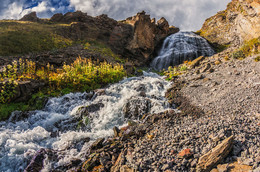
x=116, y=131
x=248, y=161
x=165, y=167
x=185, y=153
x=223, y=167
x=193, y=163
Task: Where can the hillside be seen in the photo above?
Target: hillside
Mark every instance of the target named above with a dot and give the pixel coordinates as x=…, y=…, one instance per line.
x=76, y=93
x=240, y=22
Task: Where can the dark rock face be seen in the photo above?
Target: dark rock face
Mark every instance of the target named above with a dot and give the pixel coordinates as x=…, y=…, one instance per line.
x=30, y=17
x=134, y=38
x=137, y=36
x=239, y=22
x=136, y=107
x=36, y=163
x=24, y=90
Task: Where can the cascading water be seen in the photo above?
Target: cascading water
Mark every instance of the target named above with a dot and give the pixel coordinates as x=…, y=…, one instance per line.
x=57, y=127
x=181, y=47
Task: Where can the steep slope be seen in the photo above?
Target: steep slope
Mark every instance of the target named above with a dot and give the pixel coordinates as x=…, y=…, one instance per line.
x=238, y=23
x=135, y=37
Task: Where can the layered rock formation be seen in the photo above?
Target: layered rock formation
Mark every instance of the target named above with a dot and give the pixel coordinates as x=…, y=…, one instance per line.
x=238, y=23
x=135, y=37
x=144, y=34
x=30, y=17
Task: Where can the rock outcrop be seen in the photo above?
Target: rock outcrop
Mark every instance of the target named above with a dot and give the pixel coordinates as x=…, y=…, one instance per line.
x=139, y=35
x=134, y=38
x=32, y=17
x=238, y=23
x=216, y=155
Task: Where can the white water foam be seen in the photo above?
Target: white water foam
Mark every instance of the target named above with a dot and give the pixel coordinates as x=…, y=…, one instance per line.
x=20, y=140
x=181, y=47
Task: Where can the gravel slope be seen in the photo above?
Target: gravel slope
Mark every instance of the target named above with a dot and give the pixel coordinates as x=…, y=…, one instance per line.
x=229, y=94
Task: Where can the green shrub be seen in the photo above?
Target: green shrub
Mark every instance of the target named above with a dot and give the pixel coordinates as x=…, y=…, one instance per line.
x=238, y=55
x=82, y=75
x=257, y=59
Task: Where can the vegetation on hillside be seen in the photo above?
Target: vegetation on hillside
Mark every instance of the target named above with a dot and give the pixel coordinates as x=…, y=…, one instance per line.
x=173, y=72
x=250, y=47
x=82, y=75
x=22, y=37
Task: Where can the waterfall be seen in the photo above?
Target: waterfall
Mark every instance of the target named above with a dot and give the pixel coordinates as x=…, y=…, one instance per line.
x=180, y=47
x=57, y=127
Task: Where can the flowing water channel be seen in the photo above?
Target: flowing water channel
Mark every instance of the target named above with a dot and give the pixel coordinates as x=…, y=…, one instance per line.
x=69, y=124
x=57, y=126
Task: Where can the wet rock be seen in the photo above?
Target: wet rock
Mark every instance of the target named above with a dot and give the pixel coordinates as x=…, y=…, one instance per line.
x=136, y=107
x=91, y=162
x=36, y=163
x=116, y=131
x=85, y=110
x=18, y=116
x=97, y=144
x=216, y=155
x=119, y=162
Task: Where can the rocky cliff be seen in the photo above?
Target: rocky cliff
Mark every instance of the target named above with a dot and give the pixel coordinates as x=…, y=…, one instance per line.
x=135, y=37
x=238, y=23
x=139, y=35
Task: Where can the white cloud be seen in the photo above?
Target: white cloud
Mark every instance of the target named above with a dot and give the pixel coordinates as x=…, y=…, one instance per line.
x=13, y=10
x=42, y=7
x=186, y=14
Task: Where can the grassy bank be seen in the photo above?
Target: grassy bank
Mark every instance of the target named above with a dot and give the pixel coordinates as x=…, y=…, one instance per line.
x=82, y=75
x=21, y=37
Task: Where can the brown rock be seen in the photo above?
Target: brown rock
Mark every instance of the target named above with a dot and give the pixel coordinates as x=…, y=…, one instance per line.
x=97, y=144
x=119, y=162
x=139, y=35
x=239, y=22
x=30, y=17
x=196, y=62
x=186, y=153
x=125, y=168
x=214, y=156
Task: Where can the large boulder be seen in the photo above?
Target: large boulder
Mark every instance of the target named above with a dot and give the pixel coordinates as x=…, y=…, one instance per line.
x=238, y=23
x=32, y=17
x=139, y=35
x=136, y=107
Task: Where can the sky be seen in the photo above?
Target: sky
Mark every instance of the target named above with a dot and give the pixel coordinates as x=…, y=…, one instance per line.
x=188, y=15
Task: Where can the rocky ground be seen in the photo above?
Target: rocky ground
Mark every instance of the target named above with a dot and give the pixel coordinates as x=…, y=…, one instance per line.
x=229, y=94
x=216, y=127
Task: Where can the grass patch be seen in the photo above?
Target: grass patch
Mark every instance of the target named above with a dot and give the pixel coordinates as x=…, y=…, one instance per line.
x=19, y=37
x=173, y=72
x=247, y=49
x=82, y=75
x=7, y=109
x=104, y=50
x=257, y=59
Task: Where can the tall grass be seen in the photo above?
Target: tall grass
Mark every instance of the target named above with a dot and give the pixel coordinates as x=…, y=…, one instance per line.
x=20, y=37
x=81, y=75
